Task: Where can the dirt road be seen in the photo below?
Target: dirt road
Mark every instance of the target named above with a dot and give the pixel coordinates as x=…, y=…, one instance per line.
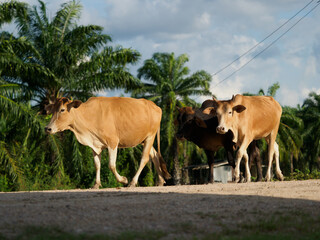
x=174, y=210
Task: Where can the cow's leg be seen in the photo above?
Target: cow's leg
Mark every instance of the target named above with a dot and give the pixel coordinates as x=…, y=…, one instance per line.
x=112, y=165
x=254, y=156
x=242, y=152
x=276, y=156
x=230, y=158
x=259, y=168
x=271, y=141
x=145, y=158
x=237, y=167
x=246, y=161
x=97, y=163
x=155, y=159
x=210, y=157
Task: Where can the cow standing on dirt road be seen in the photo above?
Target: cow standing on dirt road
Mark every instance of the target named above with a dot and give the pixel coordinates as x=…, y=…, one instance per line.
x=249, y=118
x=112, y=123
x=203, y=134
x=201, y=130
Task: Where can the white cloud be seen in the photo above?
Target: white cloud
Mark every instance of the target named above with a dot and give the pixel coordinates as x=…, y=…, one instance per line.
x=214, y=33
x=226, y=90
x=306, y=91
x=289, y=97
x=311, y=68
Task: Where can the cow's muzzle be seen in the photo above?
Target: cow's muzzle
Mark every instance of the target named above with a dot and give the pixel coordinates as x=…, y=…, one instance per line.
x=221, y=130
x=48, y=130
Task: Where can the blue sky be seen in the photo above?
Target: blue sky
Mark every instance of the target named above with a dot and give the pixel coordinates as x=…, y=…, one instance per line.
x=215, y=32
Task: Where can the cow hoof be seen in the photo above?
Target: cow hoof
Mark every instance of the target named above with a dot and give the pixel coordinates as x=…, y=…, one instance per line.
x=124, y=180
x=280, y=177
x=96, y=186
x=132, y=185
x=161, y=183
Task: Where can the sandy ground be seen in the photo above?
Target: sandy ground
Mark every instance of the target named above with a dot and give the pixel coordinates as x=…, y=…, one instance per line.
x=169, y=209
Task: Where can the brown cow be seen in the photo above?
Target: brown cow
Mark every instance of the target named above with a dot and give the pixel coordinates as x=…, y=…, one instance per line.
x=112, y=123
x=249, y=118
x=201, y=130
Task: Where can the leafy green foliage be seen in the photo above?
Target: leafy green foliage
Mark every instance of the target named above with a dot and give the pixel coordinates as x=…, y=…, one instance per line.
x=54, y=58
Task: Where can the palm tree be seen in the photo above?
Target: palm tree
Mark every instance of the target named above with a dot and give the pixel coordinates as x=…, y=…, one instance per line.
x=54, y=58
x=15, y=136
x=310, y=113
x=48, y=59
x=168, y=82
x=289, y=138
x=12, y=9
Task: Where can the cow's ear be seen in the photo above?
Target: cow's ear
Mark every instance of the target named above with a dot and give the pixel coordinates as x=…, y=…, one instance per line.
x=239, y=108
x=48, y=108
x=52, y=99
x=74, y=104
x=200, y=122
x=209, y=110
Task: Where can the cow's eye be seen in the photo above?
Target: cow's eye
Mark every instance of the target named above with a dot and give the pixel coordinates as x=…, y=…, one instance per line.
x=62, y=110
x=230, y=113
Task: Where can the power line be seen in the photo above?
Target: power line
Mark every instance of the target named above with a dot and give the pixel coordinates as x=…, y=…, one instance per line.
x=262, y=40
x=267, y=47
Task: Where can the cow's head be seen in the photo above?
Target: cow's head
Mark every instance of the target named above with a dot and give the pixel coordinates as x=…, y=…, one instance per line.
x=62, y=117
x=225, y=111
x=186, y=121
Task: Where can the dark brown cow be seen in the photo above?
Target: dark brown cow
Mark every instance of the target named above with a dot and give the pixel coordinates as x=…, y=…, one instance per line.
x=249, y=118
x=111, y=123
x=201, y=130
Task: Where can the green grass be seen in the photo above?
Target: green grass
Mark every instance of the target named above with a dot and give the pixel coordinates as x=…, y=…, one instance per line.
x=282, y=226
x=43, y=233
x=287, y=225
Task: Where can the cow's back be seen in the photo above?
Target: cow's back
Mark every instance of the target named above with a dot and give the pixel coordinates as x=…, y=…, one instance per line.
x=261, y=116
x=127, y=119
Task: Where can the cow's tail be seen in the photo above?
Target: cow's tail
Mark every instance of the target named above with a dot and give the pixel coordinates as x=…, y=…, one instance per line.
x=163, y=164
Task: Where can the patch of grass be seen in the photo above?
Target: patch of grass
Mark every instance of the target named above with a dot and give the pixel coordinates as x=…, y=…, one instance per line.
x=283, y=226
x=185, y=227
x=286, y=225
x=42, y=233
x=299, y=175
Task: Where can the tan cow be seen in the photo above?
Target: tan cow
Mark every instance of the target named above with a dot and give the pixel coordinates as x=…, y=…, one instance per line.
x=112, y=123
x=249, y=118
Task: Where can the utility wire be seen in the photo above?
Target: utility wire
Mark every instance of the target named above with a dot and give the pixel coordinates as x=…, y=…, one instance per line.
x=267, y=47
x=263, y=39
